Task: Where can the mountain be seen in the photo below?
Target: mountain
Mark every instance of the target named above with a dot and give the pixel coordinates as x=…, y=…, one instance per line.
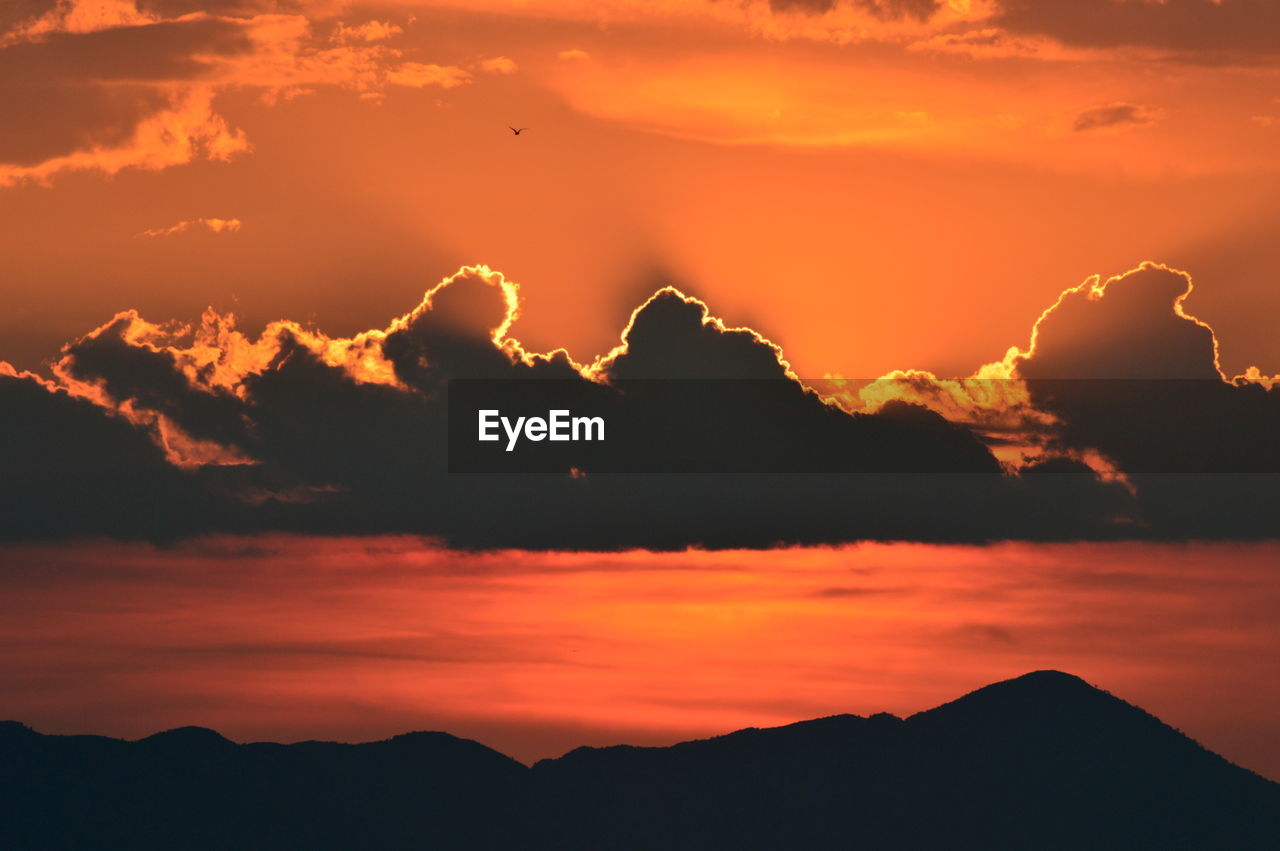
x=1041, y=761
x=193, y=789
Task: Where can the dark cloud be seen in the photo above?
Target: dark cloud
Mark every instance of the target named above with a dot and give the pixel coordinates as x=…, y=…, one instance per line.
x=66, y=92
x=1131, y=374
x=452, y=335
x=176, y=8
x=809, y=7
x=163, y=51
x=687, y=394
x=14, y=13
x=149, y=379
x=672, y=337
x=51, y=120
x=1113, y=115
x=70, y=467
x=334, y=452
x=120, y=87
x=351, y=436
x=1129, y=327
x=1196, y=28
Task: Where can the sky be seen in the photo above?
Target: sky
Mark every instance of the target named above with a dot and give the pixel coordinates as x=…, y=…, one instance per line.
x=286, y=639
x=875, y=186
x=1023, y=250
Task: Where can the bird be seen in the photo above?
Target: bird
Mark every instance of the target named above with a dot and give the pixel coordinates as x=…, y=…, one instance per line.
x=517, y=130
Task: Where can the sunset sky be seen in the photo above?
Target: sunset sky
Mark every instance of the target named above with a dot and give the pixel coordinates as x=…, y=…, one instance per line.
x=874, y=185
x=246, y=243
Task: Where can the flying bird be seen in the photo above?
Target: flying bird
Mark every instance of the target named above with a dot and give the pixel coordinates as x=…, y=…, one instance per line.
x=517, y=130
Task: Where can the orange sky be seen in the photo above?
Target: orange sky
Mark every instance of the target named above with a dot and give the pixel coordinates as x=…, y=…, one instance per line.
x=872, y=191
x=286, y=638
x=871, y=184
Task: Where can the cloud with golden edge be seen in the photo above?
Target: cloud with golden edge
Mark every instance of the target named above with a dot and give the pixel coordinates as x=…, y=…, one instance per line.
x=1092, y=291
x=477, y=304
x=600, y=369
x=997, y=401
x=216, y=358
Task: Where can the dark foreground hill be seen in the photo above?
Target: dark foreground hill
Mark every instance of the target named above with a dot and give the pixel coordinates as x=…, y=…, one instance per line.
x=1042, y=761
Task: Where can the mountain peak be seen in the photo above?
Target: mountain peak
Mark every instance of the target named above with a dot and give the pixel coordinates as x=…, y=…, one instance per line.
x=188, y=737
x=1056, y=685
x=1050, y=673
x=1048, y=680
x=1036, y=692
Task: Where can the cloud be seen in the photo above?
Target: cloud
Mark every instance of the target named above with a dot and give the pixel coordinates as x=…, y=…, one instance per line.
x=108, y=85
x=119, y=367
x=420, y=75
x=1118, y=375
x=1127, y=370
x=810, y=7
x=1131, y=326
x=1114, y=116
x=111, y=91
x=920, y=104
x=214, y=225
x=499, y=65
x=73, y=16
x=1205, y=30
x=184, y=131
x=1192, y=31
x=1121, y=378
x=573, y=53
x=852, y=21
x=672, y=336
x=72, y=466
x=991, y=43
x=884, y=9
x=297, y=431
x=369, y=31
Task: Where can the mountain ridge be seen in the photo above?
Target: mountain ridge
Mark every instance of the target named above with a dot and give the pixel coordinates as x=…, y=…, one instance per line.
x=1044, y=760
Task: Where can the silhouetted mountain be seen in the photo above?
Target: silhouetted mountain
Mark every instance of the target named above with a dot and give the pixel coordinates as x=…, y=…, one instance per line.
x=1042, y=761
x=193, y=789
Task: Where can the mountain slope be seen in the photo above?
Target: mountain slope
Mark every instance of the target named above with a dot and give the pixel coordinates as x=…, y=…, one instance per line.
x=1042, y=761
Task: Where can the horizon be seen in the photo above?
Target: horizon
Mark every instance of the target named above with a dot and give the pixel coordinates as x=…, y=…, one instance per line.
x=529, y=764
